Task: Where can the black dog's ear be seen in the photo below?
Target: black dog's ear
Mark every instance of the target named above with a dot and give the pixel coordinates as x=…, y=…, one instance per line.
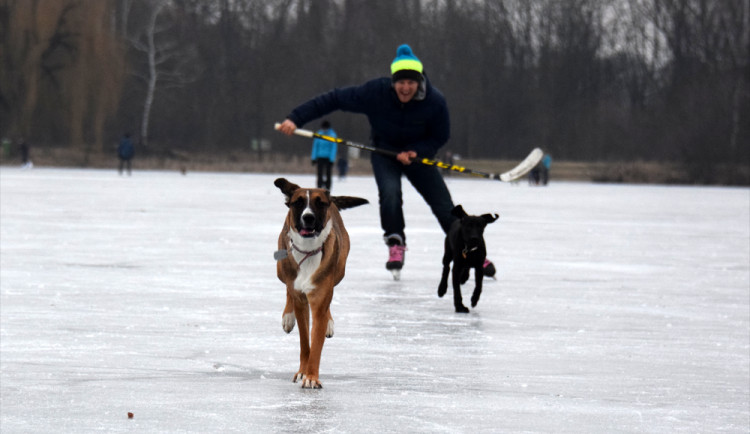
x=286, y=187
x=458, y=211
x=344, y=202
x=489, y=218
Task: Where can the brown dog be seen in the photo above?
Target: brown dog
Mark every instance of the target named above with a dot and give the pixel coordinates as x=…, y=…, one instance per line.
x=313, y=247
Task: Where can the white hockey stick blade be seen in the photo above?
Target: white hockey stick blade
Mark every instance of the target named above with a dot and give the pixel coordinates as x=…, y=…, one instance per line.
x=523, y=167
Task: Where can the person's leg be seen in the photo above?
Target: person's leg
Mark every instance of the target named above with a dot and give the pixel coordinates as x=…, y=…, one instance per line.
x=388, y=177
x=319, y=163
x=430, y=184
x=387, y=173
x=328, y=174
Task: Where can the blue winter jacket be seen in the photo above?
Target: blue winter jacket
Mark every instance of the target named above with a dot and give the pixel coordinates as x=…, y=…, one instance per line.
x=421, y=125
x=323, y=148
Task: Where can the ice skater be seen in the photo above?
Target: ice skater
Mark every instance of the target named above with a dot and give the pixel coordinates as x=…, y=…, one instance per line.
x=125, y=152
x=25, y=152
x=409, y=116
x=324, y=154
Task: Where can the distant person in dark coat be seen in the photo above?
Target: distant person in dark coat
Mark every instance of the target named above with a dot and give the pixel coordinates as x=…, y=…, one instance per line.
x=25, y=150
x=343, y=166
x=534, y=175
x=125, y=152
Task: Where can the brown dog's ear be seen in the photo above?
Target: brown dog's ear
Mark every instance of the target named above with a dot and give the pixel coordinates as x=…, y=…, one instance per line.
x=286, y=187
x=344, y=202
x=458, y=211
x=489, y=218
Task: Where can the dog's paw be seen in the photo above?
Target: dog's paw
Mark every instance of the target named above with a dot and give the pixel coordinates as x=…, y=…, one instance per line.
x=311, y=384
x=462, y=309
x=298, y=376
x=287, y=322
x=474, y=300
x=329, y=329
x=442, y=289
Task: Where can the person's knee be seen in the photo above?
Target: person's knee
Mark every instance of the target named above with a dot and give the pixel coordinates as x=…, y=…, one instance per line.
x=390, y=198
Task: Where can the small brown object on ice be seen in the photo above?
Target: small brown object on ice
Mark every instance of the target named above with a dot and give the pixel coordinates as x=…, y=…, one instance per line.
x=130, y=415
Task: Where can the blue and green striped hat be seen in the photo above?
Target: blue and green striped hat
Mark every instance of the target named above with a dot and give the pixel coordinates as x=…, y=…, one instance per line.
x=406, y=65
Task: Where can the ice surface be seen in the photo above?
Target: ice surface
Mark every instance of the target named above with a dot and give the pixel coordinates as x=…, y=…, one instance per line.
x=617, y=308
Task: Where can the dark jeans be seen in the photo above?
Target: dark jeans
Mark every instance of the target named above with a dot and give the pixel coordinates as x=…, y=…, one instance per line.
x=427, y=180
x=324, y=172
x=124, y=163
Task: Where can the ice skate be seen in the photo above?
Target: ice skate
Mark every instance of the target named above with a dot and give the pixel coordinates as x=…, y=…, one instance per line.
x=489, y=268
x=396, y=254
x=396, y=274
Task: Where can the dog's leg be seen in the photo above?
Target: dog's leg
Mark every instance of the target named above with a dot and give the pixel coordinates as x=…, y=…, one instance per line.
x=302, y=312
x=287, y=318
x=465, y=275
x=479, y=273
x=447, y=258
x=457, y=299
x=329, y=329
x=320, y=301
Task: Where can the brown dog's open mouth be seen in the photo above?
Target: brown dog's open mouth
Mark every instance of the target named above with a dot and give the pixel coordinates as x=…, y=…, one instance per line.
x=307, y=233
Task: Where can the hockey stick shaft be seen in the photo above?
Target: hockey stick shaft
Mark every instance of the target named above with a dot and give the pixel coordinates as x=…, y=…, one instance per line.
x=524, y=167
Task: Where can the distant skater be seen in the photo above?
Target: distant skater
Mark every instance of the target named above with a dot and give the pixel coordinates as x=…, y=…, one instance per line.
x=546, y=164
x=25, y=151
x=125, y=152
x=343, y=166
x=324, y=154
x=534, y=175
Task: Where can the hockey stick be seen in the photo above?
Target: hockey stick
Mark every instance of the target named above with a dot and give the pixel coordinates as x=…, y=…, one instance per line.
x=520, y=170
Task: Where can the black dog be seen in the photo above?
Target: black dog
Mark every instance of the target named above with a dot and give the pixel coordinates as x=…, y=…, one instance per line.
x=464, y=245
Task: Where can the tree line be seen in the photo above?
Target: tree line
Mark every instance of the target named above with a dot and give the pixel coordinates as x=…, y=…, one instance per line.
x=589, y=80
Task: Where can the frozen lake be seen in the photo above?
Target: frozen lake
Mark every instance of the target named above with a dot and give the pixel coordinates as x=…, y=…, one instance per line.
x=617, y=308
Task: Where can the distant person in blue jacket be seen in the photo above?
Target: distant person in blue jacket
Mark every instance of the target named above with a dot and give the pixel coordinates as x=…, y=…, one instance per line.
x=546, y=164
x=125, y=152
x=409, y=116
x=324, y=155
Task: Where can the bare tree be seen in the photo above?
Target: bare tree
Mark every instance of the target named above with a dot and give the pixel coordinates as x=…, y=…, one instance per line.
x=167, y=62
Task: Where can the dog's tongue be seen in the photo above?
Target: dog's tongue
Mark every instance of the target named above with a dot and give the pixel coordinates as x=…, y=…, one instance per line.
x=305, y=232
